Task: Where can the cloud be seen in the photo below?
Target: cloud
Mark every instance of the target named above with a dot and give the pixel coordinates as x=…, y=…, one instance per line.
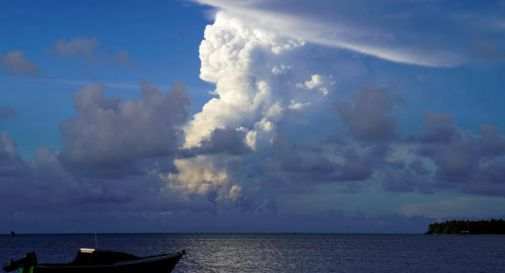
x=86, y=48
x=200, y=175
x=263, y=89
x=11, y=164
x=493, y=142
x=6, y=112
x=418, y=167
x=369, y=118
x=114, y=158
x=391, y=30
x=123, y=58
x=438, y=128
x=15, y=62
x=257, y=84
x=252, y=133
x=449, y=158
x=231, y=141
x=323, y=163
x=109, y=135
x=121, y=155
x=77, y=47
x=441, y=158
x=459, y=207
x=263, y=140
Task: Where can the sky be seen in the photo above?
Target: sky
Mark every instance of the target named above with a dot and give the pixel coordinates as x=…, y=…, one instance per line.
x=250, y=116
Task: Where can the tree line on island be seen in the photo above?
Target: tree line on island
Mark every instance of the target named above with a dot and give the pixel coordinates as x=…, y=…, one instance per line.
x=492, y=226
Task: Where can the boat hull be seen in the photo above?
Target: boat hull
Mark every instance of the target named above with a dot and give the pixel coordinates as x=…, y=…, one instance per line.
x=158, y=264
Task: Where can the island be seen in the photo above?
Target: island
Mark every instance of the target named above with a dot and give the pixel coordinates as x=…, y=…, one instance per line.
x=492, y=226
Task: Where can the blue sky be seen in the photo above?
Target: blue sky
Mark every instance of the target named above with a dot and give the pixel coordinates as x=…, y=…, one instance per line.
x=161, y=41
x=251, y=115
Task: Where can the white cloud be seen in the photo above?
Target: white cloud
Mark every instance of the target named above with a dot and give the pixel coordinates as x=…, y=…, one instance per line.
x=413, y=32
x=256, y=74
x=316, y=82
x=204, y=175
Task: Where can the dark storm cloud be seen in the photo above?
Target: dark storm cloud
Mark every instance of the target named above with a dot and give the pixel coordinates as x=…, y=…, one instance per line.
x=112, y=135
x=368, y=117
x=418, y=167
x=304, y=159
x=6, y=112
x=398, y=177
x=303, y=167
x=360, y=163
x=30, y=184
x=452, y=151
x=229, y=141
x=44, y=183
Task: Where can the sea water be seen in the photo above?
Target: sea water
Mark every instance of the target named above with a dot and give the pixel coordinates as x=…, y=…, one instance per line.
x=284, y=252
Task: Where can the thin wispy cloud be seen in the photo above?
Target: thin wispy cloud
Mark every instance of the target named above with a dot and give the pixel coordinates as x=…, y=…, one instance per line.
x=89, y=48
x=78, y=47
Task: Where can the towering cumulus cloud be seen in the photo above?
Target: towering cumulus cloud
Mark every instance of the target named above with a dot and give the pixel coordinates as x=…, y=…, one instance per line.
x=284, y=72
x=253, y=71
x=260, y=80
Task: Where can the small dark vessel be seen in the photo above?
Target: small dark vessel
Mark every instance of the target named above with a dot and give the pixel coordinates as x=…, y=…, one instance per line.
x=98, y=261
x=13, y=233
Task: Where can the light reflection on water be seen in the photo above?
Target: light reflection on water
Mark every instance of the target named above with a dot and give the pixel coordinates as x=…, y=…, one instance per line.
x=284, y=252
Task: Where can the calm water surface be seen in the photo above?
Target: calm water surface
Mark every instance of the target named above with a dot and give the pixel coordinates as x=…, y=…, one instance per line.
x=284, y=253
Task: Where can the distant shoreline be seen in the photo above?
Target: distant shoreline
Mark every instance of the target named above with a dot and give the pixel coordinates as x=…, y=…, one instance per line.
x=464, y=227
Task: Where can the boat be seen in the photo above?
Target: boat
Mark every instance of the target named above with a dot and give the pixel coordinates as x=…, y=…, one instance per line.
x=89, y=260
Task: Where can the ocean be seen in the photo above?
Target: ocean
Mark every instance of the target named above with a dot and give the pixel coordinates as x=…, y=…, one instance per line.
x=319, y=253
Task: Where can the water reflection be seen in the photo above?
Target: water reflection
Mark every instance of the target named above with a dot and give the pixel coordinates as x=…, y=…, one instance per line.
x=284, y=253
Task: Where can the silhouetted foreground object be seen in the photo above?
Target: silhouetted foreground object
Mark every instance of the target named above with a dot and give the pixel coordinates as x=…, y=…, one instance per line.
x=95, y=261
x=13, y=233
x=468, y=227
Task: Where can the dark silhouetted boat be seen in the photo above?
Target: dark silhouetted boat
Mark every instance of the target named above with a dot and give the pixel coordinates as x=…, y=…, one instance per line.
x=97, y=261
